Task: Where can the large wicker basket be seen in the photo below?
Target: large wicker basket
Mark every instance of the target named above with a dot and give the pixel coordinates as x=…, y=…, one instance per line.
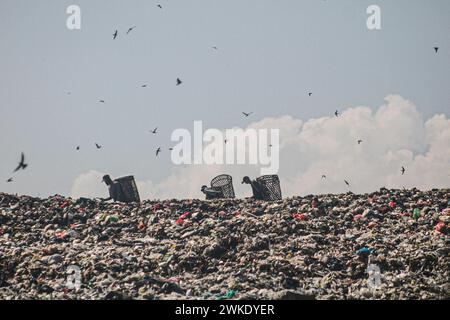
x=270, y=187
x=224, y=184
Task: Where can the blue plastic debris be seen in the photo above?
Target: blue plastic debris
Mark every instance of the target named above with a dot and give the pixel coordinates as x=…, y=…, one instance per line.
x=364, y=251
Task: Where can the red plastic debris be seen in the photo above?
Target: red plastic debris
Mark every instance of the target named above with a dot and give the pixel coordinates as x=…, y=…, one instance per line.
x=405, y=214
x=180, y=222
x=185, y=215
x=300, y=216
x=64, y=204
x=441, y=227
x=392, y=204
x=357, y=217
x=222, y=214
x=61, y=235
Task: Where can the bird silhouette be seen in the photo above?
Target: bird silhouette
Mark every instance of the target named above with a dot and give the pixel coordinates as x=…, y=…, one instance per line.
x=324, y=176
x=170, y=149
x=130, y=29
x=215, y=48
x=159, y=6
x=78, y=147
x=403, y=170
x=154, y=131
x=9, y=180
x=101, y=101
x=346, y=182
x=310, y=94
x=158, y=151
x=179, y=81
x=360, y=141
x=436, y=49
x=144, y=86
x=22, y=165
x=336, y=113
x=115, y=34
x=98, y=146
x=247, y=114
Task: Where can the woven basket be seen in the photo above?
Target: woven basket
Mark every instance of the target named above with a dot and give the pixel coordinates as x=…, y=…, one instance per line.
x=270, y=187
x=224, y=184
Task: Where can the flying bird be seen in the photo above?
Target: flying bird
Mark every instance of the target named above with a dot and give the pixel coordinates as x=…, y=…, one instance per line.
x=158, y=151
x=144, y=86
x=115, y=35
x=346, y=182
x=310, y=94
x=247, y=114
x=171, y=149
x=78, y=148
x=403, y=170
x=336, y=113
x=22, y=165
x=360, y=141
x=179, y=81
x=9, y=180
x=436, y=49
x=215, y=48
x=159, y=6
x=154, y=131
x=130, y=29
x=101, y=101
x=324, y=176
x=98, y=146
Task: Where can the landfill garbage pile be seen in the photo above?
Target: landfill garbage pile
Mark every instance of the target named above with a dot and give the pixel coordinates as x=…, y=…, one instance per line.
x=391, y=244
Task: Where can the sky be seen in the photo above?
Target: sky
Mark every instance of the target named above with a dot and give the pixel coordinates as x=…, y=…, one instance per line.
x=390, y=86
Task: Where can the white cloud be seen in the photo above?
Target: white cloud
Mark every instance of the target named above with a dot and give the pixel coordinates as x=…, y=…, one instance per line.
x=89, y=185
x=393, y=136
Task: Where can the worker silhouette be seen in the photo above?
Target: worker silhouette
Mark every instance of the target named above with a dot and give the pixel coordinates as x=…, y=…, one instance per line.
x=256, y=188
x=115, y=190
x=211, y=193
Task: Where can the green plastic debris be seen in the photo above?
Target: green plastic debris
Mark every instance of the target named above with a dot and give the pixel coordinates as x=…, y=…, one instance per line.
x=230, y=295
x=113, y=218
x=416, y=213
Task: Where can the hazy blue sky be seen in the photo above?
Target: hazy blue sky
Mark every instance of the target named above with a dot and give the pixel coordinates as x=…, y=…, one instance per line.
x=271, y=54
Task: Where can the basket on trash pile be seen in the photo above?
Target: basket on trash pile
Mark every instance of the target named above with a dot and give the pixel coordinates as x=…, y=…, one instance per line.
x=224, y=184
x=270, y=187
x=129, y=189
